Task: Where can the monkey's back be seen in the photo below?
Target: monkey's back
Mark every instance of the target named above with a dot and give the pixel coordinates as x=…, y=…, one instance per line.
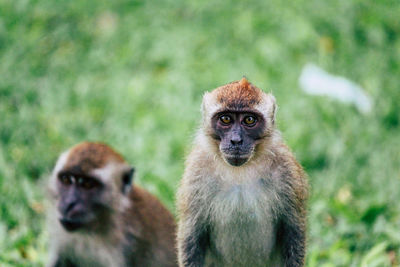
x=151, y=230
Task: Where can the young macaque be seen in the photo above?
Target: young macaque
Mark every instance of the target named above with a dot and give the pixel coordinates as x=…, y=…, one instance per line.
x=242, y=198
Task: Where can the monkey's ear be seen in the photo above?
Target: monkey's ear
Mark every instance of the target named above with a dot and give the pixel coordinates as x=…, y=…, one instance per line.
x=127, y=178
x=204, y=107
x=272, y=107
x=209, y=106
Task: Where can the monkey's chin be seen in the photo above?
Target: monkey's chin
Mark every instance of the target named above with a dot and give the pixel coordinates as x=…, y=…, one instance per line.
x=236, y=160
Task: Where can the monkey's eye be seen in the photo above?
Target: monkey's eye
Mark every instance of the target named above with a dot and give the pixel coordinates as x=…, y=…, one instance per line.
x=250, y=120
x=66, y=179
x=86, y=183
x=225, y=119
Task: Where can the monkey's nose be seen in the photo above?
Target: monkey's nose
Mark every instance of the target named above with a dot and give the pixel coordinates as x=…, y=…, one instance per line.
x=75, y=211
x=236, y=141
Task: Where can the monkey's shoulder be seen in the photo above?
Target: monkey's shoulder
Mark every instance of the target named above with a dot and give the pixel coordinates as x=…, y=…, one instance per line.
x=289, y=172
x=148, y=212
x=150, y=229
x=285, y=162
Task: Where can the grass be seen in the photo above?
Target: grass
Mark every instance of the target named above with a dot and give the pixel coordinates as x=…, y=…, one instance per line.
x=132, y=74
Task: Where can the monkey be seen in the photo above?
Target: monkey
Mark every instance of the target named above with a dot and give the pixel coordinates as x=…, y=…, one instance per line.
x=97, y=217
x=242, y=198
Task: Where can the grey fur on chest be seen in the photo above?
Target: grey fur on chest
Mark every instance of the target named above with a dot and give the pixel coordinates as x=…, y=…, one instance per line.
x=243, y=224
x=92, y=252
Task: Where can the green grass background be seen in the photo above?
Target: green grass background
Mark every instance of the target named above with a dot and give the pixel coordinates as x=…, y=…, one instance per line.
x=132, y=74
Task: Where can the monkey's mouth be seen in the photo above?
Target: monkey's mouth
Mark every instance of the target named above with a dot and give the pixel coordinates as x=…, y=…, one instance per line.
x=236, y=159
x=71, y=225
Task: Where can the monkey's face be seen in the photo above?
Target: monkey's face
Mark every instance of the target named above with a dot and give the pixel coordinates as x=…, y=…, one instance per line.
x=238, y=134
x=79, y=204
x=90, y=181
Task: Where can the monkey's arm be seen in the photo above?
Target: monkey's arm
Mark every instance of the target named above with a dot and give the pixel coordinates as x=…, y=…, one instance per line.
x=192, y=243
x=193, y=235
x=293, y=244
x=292, y=230
x=293, y=215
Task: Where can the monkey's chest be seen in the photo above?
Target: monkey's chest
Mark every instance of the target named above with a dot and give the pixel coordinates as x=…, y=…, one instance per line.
x=242, y=227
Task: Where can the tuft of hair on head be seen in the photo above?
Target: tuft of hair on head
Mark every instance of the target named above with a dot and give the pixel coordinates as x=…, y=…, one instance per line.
x=244, y=83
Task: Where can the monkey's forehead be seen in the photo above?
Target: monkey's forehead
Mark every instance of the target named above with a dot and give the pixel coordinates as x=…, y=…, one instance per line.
x=238, y=94
x=90, y=155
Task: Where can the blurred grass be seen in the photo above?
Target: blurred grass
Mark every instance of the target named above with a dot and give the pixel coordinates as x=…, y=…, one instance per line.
x=132, y=73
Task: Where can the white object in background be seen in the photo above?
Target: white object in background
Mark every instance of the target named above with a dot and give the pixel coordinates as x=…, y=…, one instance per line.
x=315, y=81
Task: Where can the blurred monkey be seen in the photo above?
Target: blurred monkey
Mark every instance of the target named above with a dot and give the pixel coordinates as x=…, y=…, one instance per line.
x=98, y=218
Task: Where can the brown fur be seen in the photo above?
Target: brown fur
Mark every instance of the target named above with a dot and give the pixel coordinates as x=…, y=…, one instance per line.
x=141, y=230
x=150, y=222
x=252, y=215
x=238, y=94
x=88, y=156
